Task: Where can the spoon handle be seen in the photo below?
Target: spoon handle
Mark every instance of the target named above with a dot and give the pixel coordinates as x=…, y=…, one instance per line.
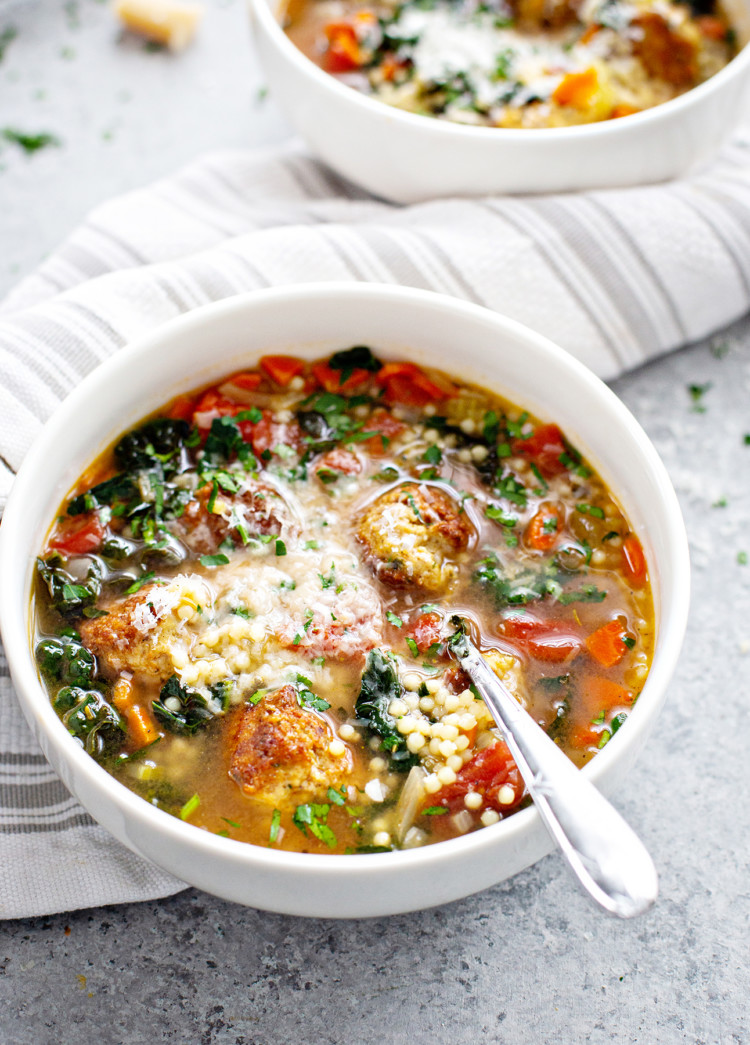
x=604, y=853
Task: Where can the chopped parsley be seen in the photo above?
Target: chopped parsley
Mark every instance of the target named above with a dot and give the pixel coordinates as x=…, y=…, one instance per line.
x=391, y=617
x=313, y=816
x=190, y=807
x=214, y=560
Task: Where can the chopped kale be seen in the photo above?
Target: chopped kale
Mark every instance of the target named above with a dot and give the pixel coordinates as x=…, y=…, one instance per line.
x=359, y=357
x=154, y=442
x=381, y=685
x=70, y=597
x=88, y=717
x=193, y=713
x=66, y=661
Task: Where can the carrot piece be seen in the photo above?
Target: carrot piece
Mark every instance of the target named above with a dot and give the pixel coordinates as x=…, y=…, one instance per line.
x=606, y=644
x=182, y=408
x=584, y=736
x=634, y=561
x=331, y=380
x=602, y=694
x=576, y=89
x=623, y=110
x=343, y=54
x=543, y=528
x=281, y=369
x=590, y=33
x=141, y=724
x=248, y=380
x=711, y=27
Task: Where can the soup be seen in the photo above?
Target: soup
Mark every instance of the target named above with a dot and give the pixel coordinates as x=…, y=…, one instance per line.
x=244, y=607
x=525, y=63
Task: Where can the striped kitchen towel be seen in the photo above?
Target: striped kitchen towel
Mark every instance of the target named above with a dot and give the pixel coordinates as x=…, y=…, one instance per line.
x=616, y=277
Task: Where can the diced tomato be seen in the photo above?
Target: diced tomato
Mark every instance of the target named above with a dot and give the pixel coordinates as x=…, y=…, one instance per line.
x=634, y=561
x=606, y=644
x=425, y=630
x=79, y=535
x=406, y=383
x=585, y=736
x=343, y=54
x=623, y=110
x=281, y=369
x=549, y=641
x=339, y=460
x=711, y=27
x=331, y=380
x=267, y=434
x=576, y=89
x=212, y=405
x=487, y=772
x=387, y=426
x=455, y=679
x=544, y=527
x=544, y=447
x=182, y=409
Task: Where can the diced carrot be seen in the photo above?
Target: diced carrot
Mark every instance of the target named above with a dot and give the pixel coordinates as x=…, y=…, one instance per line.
x=387, y=426
x=333, y=380
x=584, y=736
x=576, y=89
x=79, y=535
x=343, y=54
x=141, y=724
x=622, y=110
x=182, y=409
x=590, y=33
x=600, y=694
x=281, y=369
x=247, y=380
x=634, y=561
x=545, y=526
x=711, y=27
x=606, y=644
x=545, y=446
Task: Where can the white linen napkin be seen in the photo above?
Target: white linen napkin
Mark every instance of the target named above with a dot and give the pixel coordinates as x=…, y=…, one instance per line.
x=616, y=277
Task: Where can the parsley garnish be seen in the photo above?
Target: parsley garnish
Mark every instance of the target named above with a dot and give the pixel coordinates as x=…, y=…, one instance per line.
x=214, y=560
x=393, y=619
x=314, y=816
x=190, y=807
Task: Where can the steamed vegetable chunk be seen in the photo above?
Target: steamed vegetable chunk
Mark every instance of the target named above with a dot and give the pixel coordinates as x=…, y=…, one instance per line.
x=244, y=606
x=516, y=63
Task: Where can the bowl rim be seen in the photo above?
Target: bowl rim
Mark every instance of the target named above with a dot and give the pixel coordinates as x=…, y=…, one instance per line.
x=35, y=701
x=447, y=129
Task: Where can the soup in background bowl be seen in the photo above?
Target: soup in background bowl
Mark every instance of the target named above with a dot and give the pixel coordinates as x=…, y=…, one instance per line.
x=221, y=538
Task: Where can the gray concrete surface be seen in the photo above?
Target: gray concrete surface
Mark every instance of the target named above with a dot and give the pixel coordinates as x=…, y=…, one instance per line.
x=528, y=962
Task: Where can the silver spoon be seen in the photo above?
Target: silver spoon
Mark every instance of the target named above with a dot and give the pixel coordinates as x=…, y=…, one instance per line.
x=604, y=853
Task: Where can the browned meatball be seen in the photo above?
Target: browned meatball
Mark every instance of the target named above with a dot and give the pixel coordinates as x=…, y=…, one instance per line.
x=665, y=53
x=410, y=534
x=130, y=637
x=259, y=509
x=279, y=752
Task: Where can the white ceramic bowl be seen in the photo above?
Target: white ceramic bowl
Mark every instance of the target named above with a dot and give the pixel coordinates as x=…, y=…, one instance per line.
x=408, y=158
x=472, y=342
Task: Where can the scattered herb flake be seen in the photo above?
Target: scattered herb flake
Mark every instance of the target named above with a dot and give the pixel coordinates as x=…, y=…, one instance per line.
x=190, y=807
x=214, y=560
x=391, y=617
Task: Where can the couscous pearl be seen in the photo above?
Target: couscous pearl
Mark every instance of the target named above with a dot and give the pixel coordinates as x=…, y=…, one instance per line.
x=506, y=795
x=185, y=612
x=432, y=784
x=400, y=413
x=598, y=557
x=434, y=746
x=489, y=816
x=450, y=732
x=346, y=732
x=405, y=725
x=432, y=685
x=172, y=704
x=452, y=720
x=467, y=721
x=374, y=743
x=430, y=410
x=447, y=748
x=377, y=765
x=473, y=800
x=412, y=701
x=361, y=411
x=462, y=743
x=415, y=742
x=397, y=707
x=468, y=425
x=641, y=671
x=455, y=762
x=337, y=748
x=257, y=630
x=412, y=681
x=479, y=452
x=431, y=435
x=426, y=703
x=450, y=441
x=464, y=455
x=446, y=776
x=452, y=702
x=297, y=383
x=381, y=838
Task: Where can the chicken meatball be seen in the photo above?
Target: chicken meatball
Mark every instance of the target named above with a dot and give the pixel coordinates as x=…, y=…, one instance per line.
x=411, y=533
x=279, y=752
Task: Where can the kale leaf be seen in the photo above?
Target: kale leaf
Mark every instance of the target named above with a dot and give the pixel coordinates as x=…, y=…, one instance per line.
x=359, y=357
x=89, y=718
x=66, y=661
x=380, y=685
x=158, y=441
x=70, y=597
x=194, y=711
